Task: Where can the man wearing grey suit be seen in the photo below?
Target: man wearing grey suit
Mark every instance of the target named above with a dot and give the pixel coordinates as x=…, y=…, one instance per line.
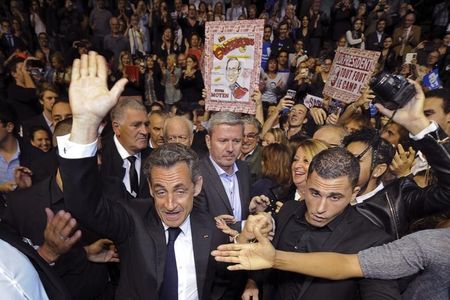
x=226, y=186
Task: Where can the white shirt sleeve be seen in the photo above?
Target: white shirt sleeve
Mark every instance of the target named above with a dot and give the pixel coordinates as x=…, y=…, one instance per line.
x=71, y=150
x=18, y=278
x=430, y=128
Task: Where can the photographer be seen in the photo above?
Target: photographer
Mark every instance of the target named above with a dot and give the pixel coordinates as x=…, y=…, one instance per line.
x=22, y=90
x=394, y=206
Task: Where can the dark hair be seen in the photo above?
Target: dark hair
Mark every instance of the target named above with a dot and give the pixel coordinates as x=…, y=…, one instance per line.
x=334, y=163
x=36, y=128
x=62, y=128
x=443, y=94
x=7, y=114
x=168, y=155
x=382, y=151
x=267, y=26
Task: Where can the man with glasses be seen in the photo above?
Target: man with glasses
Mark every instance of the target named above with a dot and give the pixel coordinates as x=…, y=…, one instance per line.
x=251, y=150
x=394, y=206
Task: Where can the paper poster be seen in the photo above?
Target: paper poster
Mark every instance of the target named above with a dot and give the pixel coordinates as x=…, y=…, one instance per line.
x=232, y=64
x=312, y=101
x=351, y=70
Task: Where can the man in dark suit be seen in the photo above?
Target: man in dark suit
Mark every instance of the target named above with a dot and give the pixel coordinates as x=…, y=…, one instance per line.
x=226, y=188
x=48, y=94
x=164, y=244
x=24, y=212
x=8, y=41
x=374, y=40
x=124, y=152
x=326, y=222
x=33, y=276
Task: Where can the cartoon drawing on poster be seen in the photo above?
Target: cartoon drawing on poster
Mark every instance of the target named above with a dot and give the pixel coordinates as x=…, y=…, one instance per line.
x=232, y=59
x=350, y=72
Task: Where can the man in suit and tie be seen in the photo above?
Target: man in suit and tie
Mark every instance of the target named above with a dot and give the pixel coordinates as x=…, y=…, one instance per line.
x=226, y=180
x=374, y=40
x=164, y=245
x=8, y=41
x=124, y=152
x=407, y=36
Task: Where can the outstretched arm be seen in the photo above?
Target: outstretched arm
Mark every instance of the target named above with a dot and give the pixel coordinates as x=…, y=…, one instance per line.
x=262, y=255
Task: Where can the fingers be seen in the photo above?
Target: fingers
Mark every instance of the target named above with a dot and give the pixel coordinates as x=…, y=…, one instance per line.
x=84, y=66
x=387, y=112
x=76, y=70
x=92, y=64
x=102, y=68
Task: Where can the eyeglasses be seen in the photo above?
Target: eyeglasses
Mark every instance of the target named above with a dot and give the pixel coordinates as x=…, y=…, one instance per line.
x=361, y=155
x=177, y=139
x=250, y=136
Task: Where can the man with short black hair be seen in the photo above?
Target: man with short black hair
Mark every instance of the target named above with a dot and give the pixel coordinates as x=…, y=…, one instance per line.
x=325, y=220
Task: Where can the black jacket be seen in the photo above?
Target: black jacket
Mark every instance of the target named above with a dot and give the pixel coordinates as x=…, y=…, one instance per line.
x=402, y=201
x=351, y=234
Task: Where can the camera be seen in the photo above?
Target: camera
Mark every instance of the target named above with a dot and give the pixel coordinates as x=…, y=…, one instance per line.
x=392, y=91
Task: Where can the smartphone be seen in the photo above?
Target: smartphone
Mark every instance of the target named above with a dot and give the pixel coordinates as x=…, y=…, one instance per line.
x=290, y=94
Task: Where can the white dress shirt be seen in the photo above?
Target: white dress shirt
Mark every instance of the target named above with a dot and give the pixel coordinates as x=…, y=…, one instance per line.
x=126, y=164
x=231, y=185
x=18, y=278
x=184, y=254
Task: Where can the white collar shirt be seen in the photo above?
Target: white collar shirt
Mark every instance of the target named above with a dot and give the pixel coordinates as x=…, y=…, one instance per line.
x=126, y=164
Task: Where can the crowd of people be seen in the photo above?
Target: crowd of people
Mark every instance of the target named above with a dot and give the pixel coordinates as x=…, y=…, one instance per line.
x=116, y=182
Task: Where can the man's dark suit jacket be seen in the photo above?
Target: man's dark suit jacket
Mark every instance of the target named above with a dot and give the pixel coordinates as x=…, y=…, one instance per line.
x=53, y=285
x=213, y=196
x=139, y=236
x=353, y=233
x=112, y=166
x=25, y=213
x=372, y=41
x=38, y=120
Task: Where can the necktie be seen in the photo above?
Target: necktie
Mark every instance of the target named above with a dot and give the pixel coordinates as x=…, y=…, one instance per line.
x=169, y=289
x=134, y=183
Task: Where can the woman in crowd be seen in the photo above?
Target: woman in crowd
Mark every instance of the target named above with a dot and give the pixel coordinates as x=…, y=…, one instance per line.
x=388, y=59
x=304, y=33
x=171, y=77
x=355, y=37
x=274, y=136
x=191, y=82
x=272, y=82
x=276, y=181
x=219, y=11
x=202, y=12
x=306, y=151
x=154, y=91
x=194, y=46
x=40, y=138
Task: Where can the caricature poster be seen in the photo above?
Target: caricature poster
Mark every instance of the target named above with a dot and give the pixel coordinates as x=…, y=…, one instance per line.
x=232, y=64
